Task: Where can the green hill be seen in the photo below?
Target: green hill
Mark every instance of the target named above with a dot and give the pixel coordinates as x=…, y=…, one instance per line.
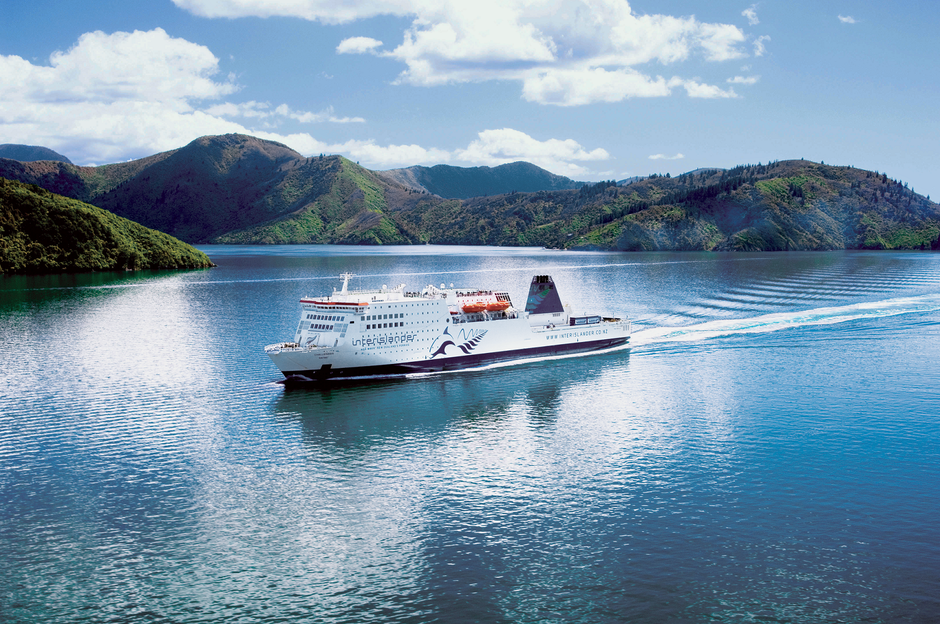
x=41, y=232
x=27, y=153
x=788, y=205
x=240, y=189
x=464, y=182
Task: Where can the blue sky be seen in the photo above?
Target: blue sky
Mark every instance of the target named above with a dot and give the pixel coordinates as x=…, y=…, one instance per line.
x=590, y=89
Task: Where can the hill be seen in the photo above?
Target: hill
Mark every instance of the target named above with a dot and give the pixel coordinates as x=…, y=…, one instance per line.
x=466, y=182
x=28, y=153
x=240, y=189
x=41, y=232
x=217, y=188
x=789, y=205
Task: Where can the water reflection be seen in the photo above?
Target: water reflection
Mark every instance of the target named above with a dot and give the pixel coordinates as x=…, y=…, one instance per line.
x=360, y=414
x=759, y=454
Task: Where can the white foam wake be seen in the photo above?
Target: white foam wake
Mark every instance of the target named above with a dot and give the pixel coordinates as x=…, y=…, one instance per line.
x=787, y=320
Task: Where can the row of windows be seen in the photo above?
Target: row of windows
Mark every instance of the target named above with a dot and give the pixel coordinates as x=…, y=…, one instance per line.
x=320, y=317
x=323, y=327
x=384, y=325
x=380, y=317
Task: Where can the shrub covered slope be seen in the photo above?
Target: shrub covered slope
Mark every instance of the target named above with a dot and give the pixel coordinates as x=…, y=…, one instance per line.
x=41, y=232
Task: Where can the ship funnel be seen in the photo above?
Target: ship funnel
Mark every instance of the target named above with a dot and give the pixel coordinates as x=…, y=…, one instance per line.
x=543, y=296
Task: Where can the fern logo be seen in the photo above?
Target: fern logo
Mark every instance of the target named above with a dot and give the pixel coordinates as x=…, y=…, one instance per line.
x=445, y=340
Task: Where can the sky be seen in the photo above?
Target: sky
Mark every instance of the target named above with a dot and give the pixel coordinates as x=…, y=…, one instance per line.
x=589, y=89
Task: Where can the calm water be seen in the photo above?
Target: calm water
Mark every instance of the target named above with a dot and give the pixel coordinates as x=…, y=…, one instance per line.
x=766, y=451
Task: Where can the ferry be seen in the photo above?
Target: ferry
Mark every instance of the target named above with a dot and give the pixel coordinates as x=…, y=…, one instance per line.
x=395, y=332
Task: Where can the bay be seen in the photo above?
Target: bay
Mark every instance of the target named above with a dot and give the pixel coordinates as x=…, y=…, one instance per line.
x=764, y=451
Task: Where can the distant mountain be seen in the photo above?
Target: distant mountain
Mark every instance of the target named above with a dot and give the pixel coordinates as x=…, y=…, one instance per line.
x=41, y=232
x=231, y=188
x=240, y=189
x=465, y=182
x=30, y=153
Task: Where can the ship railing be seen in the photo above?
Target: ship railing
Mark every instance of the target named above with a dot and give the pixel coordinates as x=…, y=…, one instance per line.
x=290, y=347
x=478, y=317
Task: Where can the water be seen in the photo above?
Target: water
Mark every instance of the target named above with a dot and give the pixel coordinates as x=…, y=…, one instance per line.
x=765, y=451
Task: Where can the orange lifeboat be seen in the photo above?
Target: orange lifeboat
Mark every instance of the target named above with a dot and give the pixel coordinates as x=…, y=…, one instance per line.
x=477, y=306
x=497, y=306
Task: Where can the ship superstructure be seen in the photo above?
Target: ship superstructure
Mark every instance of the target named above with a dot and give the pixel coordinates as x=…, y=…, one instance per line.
x=393, y=331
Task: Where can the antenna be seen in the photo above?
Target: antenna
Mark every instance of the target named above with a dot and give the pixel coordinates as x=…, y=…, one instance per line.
x=345, y=277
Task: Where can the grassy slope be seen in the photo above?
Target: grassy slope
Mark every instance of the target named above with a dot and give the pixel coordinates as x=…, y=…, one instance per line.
x=352, y=210
x=240, y=189
x=41, y=232
x=787, y=205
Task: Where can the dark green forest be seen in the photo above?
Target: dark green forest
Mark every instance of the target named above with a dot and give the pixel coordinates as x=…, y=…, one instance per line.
x=41, y=232
x=241, y=189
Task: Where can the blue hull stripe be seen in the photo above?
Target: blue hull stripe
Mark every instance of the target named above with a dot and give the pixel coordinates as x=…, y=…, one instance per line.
x=457, y=363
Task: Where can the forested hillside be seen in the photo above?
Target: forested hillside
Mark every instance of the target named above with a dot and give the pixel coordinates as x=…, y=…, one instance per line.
x=784, y=205
x=240, y=189
x=27, y=153
x=41, y=232
x=464, y=182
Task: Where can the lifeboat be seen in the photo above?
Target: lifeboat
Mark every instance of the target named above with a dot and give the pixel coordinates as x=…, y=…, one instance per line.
x=497, y=306
x=477, y=306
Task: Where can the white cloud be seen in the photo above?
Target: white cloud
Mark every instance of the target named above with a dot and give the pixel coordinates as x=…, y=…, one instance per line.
x=571, y=87
x=124, y=95
x=306, y=117
x=491, y=148
x=358, y=45
x=846, y=19
x=497, y=147
x=696, y=89
x=546, y=45
x=759, y=47
x=679, y=156
x=110, y=92
x=245, y=110
x=139, y=66
x=751, y=14
x=745, y=80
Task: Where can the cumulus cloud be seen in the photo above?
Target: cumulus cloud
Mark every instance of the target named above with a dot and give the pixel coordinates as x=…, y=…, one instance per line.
x=358, y=45
x=110, y=91
x=745, y=80
x=549, y=46
x=751, y=14
x=574, y=87
x=846, y=19
x=679, y=156
x=491, y=147
x=505, y=145
x=759, y=47
x=116, y=96
x=697, y=89
x=307, y=117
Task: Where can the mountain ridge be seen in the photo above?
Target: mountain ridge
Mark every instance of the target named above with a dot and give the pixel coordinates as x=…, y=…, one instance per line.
x=452, y=182
x=30, y=153
x=241, y=189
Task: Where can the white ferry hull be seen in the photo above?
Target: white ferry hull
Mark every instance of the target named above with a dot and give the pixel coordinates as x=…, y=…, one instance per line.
x=430, y=332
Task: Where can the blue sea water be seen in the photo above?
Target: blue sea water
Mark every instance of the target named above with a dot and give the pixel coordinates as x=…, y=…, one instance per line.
x=766, y=450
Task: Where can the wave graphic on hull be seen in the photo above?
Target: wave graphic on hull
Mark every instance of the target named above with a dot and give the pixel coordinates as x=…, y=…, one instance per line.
x=787, y=320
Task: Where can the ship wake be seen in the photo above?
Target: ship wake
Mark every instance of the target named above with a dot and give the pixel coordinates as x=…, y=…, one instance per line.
x=786, y=320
